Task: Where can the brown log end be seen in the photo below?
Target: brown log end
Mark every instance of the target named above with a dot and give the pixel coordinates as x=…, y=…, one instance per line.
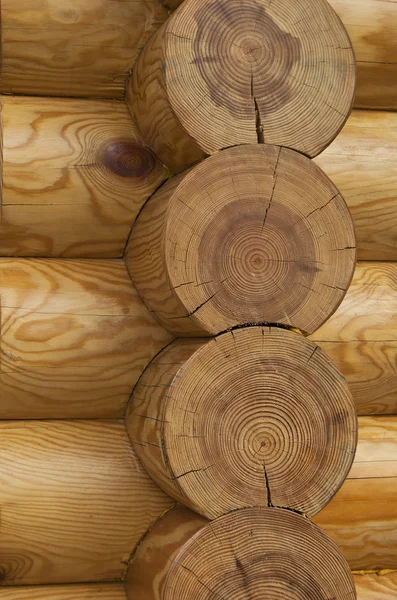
x=246, y=555
x=259, y=71
x=253, y=234
x=258, y=416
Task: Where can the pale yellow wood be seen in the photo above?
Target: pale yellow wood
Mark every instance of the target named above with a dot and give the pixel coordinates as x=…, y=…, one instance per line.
x=74, y=48
x=361, y=337
x=362, y=163
x=372, y=26
x=105, y=591
x=74, y=501
x=74, y=338
x=75, y=175
x=376, y=587
x=362, y=517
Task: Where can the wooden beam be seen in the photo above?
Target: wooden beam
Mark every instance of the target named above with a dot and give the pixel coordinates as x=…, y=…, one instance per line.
x=361, y=337
x=74, y=338
x=75, y=175
x=362, y=163
x=374, y=586
x=84, y=48
x=74, y=501
x=105, y=591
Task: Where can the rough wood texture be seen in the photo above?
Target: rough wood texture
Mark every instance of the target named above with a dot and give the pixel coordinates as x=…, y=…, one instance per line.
x=361, y=337
x=105, y=591
x=229, y=423
x=372, y=25
x=253, y=553
x=362, y=517
x=75, y=175
x=74, y=501
x=78, y=48
x=376, y=587
x=362, y=162
x=223, y=73
x=74, y=338
x=253, y=234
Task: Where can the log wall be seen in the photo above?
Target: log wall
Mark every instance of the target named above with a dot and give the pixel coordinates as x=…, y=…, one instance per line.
x=75, y=174
x=106, y=591
x=374, y=586
x=74, y=501
x=74, y=338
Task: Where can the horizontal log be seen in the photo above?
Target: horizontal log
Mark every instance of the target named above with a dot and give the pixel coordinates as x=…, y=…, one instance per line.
x=361, y=337
x=105, y=591
x=74, y=338
x=375, y=586
x=362, y=163
x=74, y=501
x=372, y=26
x=81, y=48
x=75, y=175
x=362, y=517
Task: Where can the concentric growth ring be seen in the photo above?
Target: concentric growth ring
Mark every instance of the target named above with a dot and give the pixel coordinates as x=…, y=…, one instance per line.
x=250, y=554
x=253, y=234
x=255, y=417
x=221, y=73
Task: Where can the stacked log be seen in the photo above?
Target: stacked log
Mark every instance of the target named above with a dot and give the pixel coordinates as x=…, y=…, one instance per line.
x=75, y=338
x=75, y=174
x=106, y=591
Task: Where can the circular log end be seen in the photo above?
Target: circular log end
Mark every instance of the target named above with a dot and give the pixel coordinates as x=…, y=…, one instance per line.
x=128, y=159
x=259, y=553
x=255, y=417
x=256, y=234
x=281, y=72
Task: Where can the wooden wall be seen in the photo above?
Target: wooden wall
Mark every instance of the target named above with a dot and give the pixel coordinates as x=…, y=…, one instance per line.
x=105, y=591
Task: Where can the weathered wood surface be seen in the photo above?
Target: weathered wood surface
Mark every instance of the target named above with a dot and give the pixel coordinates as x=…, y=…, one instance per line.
x=205, y=81
x=74, y=338
x=372, y=26
x=218, y=426
x=74, y=501
x=78, y=48
x=362, y=163
x=244, y=237
x=104, y=591
x=251, y=553
x=362, y=517
x=376, y=587
x=75, y=175
x=361, y=337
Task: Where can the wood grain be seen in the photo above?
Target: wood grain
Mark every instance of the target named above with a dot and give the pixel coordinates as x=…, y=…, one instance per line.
x=362, y=163
x=253, y=234
x=74, y=501
x=105, y=591
x=229, y=423
x=75, y=175
x=251, y=553
x=372, y=26
x=223, y=73
x=376, y=587
x=80, y=48
x=361, y=337
x=362, y=517
x=74, y=338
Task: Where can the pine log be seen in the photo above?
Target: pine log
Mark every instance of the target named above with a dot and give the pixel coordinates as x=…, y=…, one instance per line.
x=362, y=162
x=372, y=26
x=75, y=175
x=253, y=234
x=373, y=586
x=223, y=73
x=74, y=338
x=253, y=553
x=74, y=501
x=78, y=48
x=255, y=417
x=105, y=591
x=361, y=337
x=362, y=517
